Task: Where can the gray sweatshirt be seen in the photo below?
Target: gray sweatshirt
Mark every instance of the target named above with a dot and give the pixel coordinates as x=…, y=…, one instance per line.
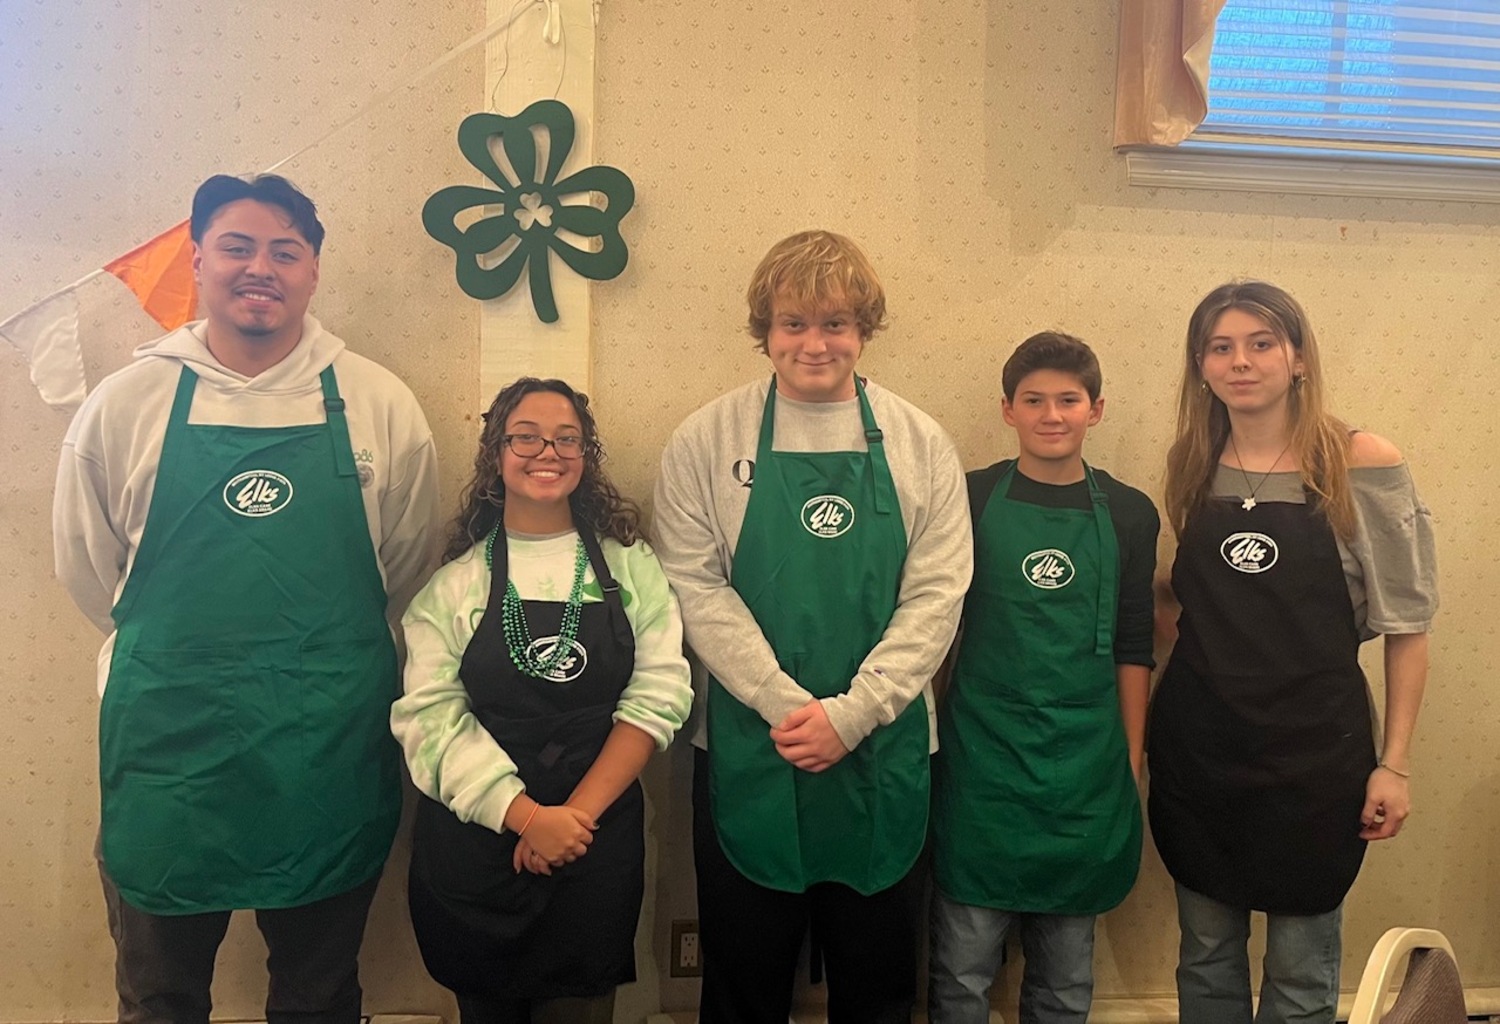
x=700, y=502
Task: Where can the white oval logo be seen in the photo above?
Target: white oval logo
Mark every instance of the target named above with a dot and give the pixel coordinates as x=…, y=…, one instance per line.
x=258, y=492
x=1048, y=569
x=569, y=668
x=827, y=515
x=1249, y=552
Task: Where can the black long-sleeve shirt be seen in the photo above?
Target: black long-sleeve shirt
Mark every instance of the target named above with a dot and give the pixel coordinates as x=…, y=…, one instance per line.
x=1136, y=523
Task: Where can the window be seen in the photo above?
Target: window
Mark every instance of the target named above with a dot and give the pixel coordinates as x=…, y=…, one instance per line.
x=1376, y=97
x=1380, y=72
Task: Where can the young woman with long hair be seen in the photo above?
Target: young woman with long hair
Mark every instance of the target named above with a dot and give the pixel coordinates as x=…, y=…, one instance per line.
x=544, y=667
x=1298, y=539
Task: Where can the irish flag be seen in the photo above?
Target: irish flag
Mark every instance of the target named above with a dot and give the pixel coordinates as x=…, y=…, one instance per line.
x=160, y=274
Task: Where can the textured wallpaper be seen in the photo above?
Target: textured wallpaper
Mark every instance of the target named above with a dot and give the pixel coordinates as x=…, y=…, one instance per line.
x=966, y=145
x=112, y=115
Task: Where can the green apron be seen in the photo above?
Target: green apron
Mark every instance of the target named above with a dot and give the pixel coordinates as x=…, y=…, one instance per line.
x=1036, y=808
x=818, y=563
x=244, y=753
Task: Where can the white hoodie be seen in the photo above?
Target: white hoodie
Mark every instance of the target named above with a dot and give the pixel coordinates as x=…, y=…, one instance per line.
x=107, y=472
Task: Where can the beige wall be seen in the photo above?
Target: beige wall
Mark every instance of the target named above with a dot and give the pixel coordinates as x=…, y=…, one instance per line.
x=965, y=144
x=112, y=116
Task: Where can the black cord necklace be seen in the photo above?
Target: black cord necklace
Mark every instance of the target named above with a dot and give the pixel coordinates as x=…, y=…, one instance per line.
x=1249, y=502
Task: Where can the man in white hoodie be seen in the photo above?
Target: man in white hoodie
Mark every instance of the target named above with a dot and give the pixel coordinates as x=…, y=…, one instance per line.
x=236, y=510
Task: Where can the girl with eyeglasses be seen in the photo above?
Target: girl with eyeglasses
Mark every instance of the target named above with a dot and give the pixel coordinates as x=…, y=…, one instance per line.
x=544, y=666
x=1298, y=539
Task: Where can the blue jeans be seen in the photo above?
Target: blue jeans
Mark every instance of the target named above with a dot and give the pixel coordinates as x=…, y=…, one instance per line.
x=1057, y=985
x=1300, y=978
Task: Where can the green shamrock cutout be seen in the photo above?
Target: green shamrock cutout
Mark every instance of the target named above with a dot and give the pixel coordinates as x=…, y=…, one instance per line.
x=525, y=216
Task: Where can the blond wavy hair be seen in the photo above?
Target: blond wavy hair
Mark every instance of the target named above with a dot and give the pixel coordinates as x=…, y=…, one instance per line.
x=1319, y=440
x=813, y=270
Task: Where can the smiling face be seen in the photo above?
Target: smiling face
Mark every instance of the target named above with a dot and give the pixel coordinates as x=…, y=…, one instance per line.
x=1051, y=413
x=814, y=351
x=537, y=486
x=257, y=274
x=1247, y=364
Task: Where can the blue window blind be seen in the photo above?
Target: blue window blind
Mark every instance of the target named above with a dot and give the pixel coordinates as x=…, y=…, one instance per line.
x=1378, y=72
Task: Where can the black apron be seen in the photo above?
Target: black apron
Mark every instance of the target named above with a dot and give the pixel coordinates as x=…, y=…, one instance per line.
x=483, y=929
x=1259, y=735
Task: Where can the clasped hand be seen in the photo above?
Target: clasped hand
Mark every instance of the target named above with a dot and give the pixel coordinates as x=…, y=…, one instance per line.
x=556, y=836
x=807, y=740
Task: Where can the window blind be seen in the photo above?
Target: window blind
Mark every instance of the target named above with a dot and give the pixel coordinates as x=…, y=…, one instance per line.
x=1378, y=72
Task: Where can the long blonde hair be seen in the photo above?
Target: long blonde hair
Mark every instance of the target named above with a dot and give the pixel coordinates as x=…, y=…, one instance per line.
x=1318, y=439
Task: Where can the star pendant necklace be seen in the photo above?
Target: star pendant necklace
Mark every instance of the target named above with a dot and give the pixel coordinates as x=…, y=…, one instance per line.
x=1250, y=502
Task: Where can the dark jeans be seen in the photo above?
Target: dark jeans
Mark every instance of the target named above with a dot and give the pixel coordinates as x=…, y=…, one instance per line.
x=751, y=937
x=165, y=965
x=598, y=1010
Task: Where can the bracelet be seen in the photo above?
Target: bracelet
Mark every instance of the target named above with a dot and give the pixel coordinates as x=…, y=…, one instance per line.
x=1393, y=771
x=536, y=806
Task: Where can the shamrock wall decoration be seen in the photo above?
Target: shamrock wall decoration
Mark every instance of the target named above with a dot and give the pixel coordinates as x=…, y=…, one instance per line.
x=524, y=216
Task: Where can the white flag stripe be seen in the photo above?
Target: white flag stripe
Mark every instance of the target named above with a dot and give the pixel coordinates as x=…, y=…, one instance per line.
x=46, y=333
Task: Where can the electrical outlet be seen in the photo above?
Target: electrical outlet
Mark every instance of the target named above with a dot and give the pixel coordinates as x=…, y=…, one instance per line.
x=686, y=957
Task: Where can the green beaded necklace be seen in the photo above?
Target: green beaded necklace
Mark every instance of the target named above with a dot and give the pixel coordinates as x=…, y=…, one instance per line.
x=518, y=635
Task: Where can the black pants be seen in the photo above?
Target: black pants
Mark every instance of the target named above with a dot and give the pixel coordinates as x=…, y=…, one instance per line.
x=598, y=1010
x=164, y=965
x=751, y=936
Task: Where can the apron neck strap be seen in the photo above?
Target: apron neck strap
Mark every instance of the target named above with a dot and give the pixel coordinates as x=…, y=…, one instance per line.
x=615, y=607
x=619, y=624
x=1109, y=569
x=182, y=404
x=767, y=420
x=338, y=424
x=885, y=484
x=182, y=401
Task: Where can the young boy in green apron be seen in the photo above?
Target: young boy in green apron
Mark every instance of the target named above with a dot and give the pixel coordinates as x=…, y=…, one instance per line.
x=235, y=510
x=1036, y=818
x=813, y=526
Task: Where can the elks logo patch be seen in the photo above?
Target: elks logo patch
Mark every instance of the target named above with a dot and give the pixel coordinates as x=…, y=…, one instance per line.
x=1048, y=569
x=257, y=493
x=571, y=666
x=1249, y=552
x=827, y=515
x=365, y=467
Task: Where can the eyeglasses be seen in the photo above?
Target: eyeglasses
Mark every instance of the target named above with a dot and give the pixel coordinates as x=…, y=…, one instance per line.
x=529, y=446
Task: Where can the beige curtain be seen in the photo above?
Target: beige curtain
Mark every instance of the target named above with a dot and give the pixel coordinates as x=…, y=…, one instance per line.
x=1161, y=85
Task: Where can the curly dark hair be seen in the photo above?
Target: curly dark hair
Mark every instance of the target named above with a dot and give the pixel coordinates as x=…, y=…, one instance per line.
x=595, y=502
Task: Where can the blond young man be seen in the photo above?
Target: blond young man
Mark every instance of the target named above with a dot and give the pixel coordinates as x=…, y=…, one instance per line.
x=815, y=528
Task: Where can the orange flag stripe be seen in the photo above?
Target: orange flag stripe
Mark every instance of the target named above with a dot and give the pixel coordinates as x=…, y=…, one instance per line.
x=160, y=272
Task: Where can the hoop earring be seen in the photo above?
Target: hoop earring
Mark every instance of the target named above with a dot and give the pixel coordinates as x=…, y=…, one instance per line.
x=1298, y=381
x=1203, y=386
